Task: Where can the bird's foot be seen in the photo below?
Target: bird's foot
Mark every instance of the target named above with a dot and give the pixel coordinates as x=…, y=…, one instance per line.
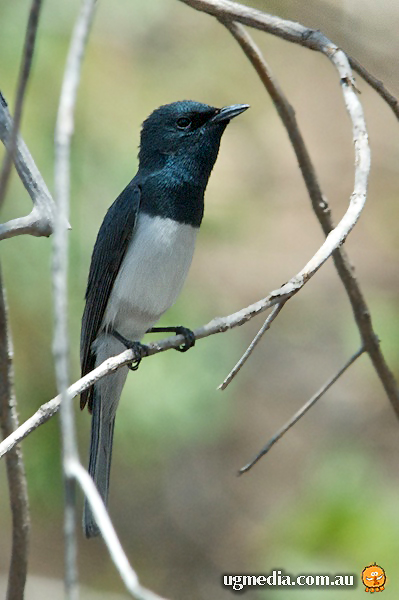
x=139, y=350
x=189, y=337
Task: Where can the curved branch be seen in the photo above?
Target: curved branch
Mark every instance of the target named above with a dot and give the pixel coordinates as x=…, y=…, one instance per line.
x=62, y=142
x=320, y=206
x=226, y=9
x=290, y=31
x=40, y=221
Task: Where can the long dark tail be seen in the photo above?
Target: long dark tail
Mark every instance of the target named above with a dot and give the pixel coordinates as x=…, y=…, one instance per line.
x=102, y=433
x=106, y=394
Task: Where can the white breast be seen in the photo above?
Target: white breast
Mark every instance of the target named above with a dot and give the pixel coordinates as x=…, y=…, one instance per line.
x=151, y=275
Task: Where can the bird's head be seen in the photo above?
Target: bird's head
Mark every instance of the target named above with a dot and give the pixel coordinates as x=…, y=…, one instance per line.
x=185, y=134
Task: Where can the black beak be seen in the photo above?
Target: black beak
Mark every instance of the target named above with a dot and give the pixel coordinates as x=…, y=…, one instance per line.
x=229, y=112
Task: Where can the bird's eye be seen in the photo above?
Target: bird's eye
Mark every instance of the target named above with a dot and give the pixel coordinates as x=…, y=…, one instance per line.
x=183, y=123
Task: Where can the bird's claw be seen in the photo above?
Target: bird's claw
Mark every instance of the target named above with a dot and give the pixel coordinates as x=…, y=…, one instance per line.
x=139, y=350
x=189, y=339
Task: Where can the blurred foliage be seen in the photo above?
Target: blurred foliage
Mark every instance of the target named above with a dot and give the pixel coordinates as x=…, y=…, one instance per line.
x=336, y=528
x=324, y=500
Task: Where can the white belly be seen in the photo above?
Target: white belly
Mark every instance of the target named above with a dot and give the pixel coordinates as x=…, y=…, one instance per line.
x=151, y=275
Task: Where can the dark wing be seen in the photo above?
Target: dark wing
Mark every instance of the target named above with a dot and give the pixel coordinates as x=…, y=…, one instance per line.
x=110, y=248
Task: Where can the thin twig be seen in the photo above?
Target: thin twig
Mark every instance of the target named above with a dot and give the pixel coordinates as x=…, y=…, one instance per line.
x=26, y=63
x=376, y=84
x=62, y=139
x=266, y=325
x=320, y=206
x=298, y=415
x=19, y=501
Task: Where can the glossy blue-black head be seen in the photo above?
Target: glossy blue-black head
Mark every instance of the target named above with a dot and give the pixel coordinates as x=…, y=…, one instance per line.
x=185, y=135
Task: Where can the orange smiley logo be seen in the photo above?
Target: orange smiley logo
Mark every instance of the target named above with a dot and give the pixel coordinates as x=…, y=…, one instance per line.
x=374, y=578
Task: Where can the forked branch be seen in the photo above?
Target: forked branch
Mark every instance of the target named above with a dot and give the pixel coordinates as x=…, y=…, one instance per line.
x=288, y=30
x=40, y=221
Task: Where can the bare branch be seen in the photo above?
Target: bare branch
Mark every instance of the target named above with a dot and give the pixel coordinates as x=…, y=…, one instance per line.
x=46, y=411
x=14, y=464
x=73, y=470
x=288, y=30
x=226, y=9
x=298, y=415
x=62, y=140
x=266, y=325
x=320, y=206
x=40, y=221
x=217, y=325
x=26, y=64
x=41, y=416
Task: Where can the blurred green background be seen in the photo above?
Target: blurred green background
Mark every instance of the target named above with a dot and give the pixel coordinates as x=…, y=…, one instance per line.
x=325, y=499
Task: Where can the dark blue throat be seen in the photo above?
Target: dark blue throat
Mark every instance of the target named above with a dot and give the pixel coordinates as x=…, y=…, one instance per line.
x=176, y=189
x=174, y=198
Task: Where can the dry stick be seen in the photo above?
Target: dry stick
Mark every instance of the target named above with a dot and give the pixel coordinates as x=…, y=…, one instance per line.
x=49, y=409
x=19, y=501
x=266, y=325
x=320, y=206
x=40, y=221
x=298, y=415
x=288, y=30
x=73, y=470
x=217, y=325
x=9, y=420
x=26, y=64
x=62, y=141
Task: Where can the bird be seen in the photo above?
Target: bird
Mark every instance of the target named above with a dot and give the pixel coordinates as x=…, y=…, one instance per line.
x=141, y=258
